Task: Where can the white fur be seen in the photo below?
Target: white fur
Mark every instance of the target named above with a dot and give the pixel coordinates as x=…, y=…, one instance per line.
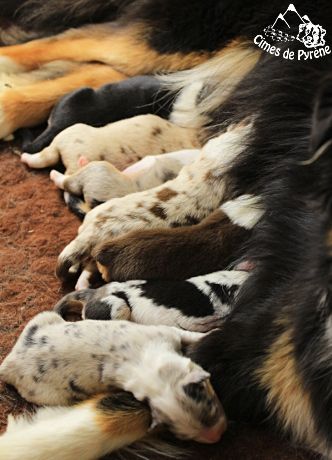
x=117, y=143
x=184, y=112
x=63, y=433
x=83, y=280
x=145, y=310
x=245, y=211
x=55, y=361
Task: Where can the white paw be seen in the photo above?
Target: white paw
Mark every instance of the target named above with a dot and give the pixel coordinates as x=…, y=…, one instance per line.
x=83, y=281
x=9, y=66
x=27, y=159
x=57, y=178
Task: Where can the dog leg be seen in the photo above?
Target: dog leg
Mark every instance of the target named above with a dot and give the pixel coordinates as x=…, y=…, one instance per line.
x=126, y=48
x=25, y=106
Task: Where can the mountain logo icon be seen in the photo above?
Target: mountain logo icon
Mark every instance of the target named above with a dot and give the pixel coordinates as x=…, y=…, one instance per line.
x=291, y=26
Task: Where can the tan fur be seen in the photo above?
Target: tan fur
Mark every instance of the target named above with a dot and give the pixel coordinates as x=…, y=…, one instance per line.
x=123, y=51
x=126, y=49
x=86, y=431
x=286, y=395
x=118, y=143
x=30, y=105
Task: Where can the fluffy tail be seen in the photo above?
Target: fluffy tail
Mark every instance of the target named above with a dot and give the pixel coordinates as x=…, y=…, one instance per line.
x=86, y=431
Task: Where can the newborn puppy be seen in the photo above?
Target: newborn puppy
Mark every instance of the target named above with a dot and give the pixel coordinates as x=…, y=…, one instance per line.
x=56, y=363
x=198, y=304
x=100, y=181
x=99, y=107
x=118, y=143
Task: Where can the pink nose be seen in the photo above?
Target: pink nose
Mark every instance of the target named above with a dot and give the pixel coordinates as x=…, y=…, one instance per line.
x=212, y=435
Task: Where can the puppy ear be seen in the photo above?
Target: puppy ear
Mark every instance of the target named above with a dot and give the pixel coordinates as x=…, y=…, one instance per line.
x=196, y=376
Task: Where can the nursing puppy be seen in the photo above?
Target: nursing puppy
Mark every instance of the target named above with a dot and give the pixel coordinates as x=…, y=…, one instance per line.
x=57, y=363
x=118, y=143
x=179, y=253
x=100, y=181
x=197, y=304
x=99, y=107
x=188, y=199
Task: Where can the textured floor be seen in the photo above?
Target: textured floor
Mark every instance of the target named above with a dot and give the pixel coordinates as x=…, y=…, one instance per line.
x=34, y=227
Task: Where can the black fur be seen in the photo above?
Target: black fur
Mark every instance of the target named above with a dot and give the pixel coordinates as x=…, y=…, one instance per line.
x=113, y=102
x=189, y=25
x=290, y=288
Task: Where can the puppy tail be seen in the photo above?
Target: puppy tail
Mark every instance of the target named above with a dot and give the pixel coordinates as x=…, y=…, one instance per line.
x=86, y=431
x=73, y=303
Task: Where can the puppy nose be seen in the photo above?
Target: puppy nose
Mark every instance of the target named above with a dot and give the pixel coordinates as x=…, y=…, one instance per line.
x=213, y=434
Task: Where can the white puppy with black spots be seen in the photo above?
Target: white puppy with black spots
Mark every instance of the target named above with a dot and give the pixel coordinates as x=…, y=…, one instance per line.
x=55, y=362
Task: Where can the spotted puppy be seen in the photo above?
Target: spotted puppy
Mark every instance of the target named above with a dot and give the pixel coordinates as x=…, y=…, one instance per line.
x=198, y=190
x=55, y=363
x=197, y=304
x=119, y=143
x=101, y=106
x=100, y=181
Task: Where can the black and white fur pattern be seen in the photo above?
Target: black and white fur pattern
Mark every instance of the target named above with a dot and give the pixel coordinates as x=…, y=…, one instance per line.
x=55, y=362
x=197, y=304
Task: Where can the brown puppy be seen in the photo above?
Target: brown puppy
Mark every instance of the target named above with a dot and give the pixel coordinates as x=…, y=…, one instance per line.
x=176, y=253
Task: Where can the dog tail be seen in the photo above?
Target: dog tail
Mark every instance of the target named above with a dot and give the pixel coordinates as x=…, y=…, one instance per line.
x=89, y=430
x=86, y=431
x=53, y=16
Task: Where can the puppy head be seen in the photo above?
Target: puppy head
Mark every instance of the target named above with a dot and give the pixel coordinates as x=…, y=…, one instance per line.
x=188, y=405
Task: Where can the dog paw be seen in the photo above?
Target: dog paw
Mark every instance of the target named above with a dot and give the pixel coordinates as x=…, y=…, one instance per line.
x=108, y=308
x=55, y=177
x=83, y=281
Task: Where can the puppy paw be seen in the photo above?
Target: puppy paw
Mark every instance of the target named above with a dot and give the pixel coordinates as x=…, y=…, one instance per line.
x=108, y=308
x=55, y=177
x=83, y=281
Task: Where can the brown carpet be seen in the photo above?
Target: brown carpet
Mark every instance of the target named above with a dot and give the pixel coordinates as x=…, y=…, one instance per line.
x=34, y=227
